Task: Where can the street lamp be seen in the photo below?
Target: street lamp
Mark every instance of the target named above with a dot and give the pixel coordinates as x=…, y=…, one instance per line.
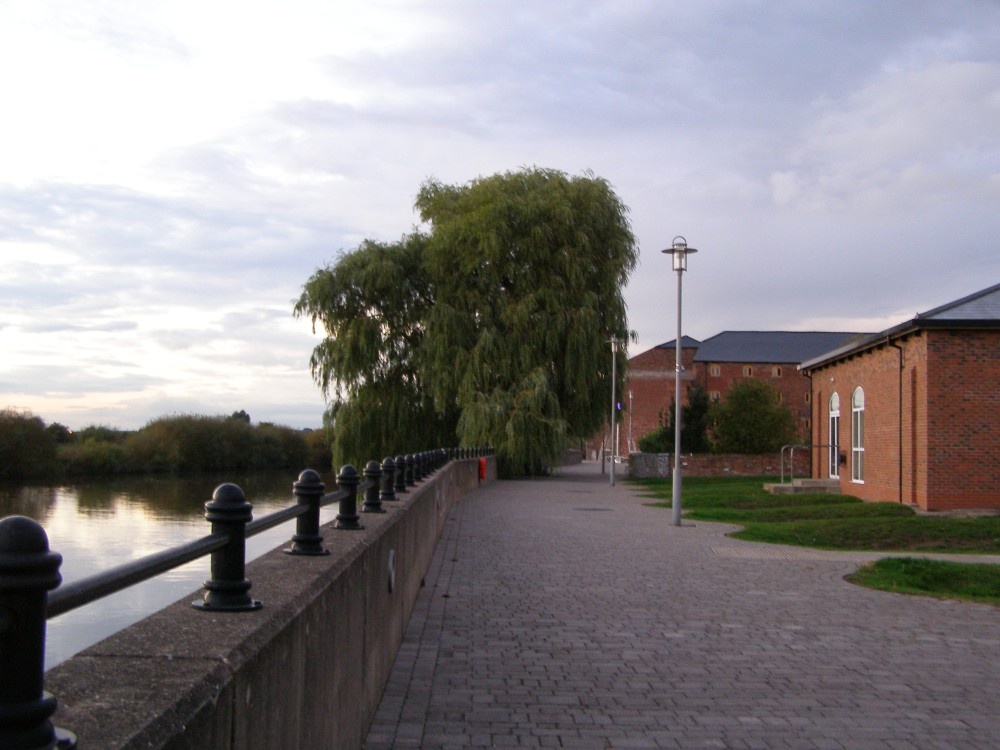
x=630, y=446
x=679, y=251
x=614, y=403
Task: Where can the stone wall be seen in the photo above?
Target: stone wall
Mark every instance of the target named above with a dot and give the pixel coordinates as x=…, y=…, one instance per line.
x=306, y=670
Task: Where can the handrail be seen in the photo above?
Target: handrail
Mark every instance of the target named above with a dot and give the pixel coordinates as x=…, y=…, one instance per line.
x=88, y=590
x=97, y=586
x=791, y=464
x=30, y=590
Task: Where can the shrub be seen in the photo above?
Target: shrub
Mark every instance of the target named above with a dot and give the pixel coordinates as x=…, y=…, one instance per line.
x=27, y=449
x=752, y=419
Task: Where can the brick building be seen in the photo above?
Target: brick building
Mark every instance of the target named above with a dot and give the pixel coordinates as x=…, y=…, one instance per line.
x=911, y=414
x=716, y=364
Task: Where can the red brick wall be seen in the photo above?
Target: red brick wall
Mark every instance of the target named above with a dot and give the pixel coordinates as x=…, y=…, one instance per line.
x=650, y=379
x=737, y=465
x=963, y=418
x=793, y=386
x=929, y=421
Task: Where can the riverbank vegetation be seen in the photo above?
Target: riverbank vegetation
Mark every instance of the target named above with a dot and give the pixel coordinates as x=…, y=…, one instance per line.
x=842, y=522
x=31, y=449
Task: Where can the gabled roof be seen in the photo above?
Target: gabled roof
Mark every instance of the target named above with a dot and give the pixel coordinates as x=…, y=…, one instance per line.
x=979, y=310
x=686, y=343
x=775, y=347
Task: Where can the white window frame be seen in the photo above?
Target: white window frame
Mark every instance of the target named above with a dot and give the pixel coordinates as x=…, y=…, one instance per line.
x=858, y=436
x=834, y=436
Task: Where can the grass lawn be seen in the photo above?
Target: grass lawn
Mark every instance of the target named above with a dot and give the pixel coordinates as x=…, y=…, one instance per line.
x=845, y=523
x=950, y=580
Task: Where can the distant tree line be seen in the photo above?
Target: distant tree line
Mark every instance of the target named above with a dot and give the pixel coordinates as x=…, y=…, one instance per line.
x=32, y=449
x=751, y=420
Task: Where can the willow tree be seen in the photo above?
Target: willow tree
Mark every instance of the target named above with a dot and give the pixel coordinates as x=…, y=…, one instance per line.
x=371, y=304
x=504, y=317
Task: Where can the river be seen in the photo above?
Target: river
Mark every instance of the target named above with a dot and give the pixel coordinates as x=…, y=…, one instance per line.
x=97, y=524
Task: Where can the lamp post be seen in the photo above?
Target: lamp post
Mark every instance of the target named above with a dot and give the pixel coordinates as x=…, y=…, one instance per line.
x=614, y=377
x=630, y=446
x=679, y=251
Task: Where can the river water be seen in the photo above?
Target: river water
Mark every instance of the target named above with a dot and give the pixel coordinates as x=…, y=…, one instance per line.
x=98, y=524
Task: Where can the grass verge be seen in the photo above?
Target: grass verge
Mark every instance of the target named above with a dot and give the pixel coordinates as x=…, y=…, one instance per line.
x=842, y=522
x=908, y=575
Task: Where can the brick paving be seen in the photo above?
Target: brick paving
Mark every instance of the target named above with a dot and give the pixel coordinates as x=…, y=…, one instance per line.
x=564, y=613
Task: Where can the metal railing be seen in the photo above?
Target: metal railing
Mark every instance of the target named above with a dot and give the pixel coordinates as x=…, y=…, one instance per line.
x=791, y=462
x=29, y=571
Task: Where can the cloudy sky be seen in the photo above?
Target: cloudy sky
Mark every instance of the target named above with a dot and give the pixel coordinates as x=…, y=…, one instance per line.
x=171, y=173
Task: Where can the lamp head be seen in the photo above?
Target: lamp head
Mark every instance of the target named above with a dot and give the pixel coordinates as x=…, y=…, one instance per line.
x=679, y=250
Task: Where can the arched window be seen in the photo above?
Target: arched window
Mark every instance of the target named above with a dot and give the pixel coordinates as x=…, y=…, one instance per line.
x=858, y=435
x=834, y=436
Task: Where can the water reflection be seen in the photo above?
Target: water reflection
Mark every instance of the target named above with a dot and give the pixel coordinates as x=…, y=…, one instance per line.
x=98, y=524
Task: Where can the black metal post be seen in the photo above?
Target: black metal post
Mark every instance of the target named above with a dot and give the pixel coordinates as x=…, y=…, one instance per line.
x=347, y=517
x=387, y=492
x=28, y=571
x=410, y=478
x=309, y=491
x=373, y=499
x=418, y=467
x=400, y=484
x=228, y=590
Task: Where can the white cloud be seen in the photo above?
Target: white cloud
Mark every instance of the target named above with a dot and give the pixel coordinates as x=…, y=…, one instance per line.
x=172, y=174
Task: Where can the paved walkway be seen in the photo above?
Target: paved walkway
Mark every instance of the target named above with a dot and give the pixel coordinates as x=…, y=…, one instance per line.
x=566, y=613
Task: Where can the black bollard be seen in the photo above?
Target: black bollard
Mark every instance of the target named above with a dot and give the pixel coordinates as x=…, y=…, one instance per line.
x=400, y=474
x=307, y=540
x=373, y=499
x=387, y=492
x=347, y=517
x=410, y=478
x=28, y=571
x=229, y=512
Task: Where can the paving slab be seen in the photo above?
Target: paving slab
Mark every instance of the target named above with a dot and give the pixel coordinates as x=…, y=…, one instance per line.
x=566, y=613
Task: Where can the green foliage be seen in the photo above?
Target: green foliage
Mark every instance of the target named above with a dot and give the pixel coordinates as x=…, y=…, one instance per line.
x=491, y=329
x=27, y=448
x=752, y=420
x=320, y=454
x=199, y=443
x=694, y=426
x=61, y=434
x=241, y=415
x=660, y=440
x=95, y=458
x=372, y=303
x=101, y=433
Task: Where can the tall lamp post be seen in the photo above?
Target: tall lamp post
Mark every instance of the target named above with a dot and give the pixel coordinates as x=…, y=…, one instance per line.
x=614, y=403
x=630, y=446
x=679, y=251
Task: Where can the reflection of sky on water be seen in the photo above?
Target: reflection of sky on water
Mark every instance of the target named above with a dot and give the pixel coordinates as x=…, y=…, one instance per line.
x=98, y=525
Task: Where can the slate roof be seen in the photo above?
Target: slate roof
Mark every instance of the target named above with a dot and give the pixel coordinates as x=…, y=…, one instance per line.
x=978, y=310
x=981, y=306
x=775, y=347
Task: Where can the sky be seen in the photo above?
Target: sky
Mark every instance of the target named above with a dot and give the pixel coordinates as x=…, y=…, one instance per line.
x=172, y=173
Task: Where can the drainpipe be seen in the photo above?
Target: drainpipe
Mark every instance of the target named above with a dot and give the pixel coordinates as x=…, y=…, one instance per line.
x=813, y=471
x=899, y=350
